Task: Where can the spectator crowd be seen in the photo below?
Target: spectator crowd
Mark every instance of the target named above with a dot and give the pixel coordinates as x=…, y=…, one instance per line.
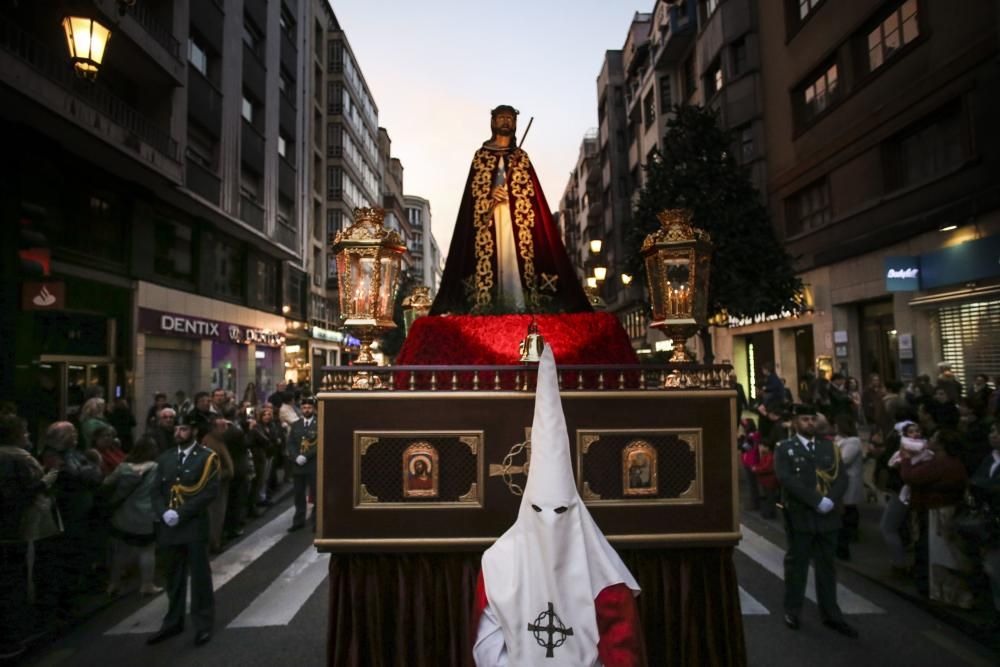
x=927, y=453
x=77, y=521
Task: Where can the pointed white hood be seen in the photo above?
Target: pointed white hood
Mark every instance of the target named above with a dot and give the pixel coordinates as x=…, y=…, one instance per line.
x=554, y=554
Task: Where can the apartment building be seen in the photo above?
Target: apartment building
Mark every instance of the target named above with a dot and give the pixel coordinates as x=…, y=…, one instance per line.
x=428, y=263
x=154, y=203
x=884, y=184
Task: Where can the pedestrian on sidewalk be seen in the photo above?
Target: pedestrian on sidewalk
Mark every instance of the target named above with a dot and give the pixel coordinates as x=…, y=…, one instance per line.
x=937, y=487
x=849, y=444
x=813, y=485
x=187, y=480
x=985, y=486
x=896, y=515
x=749, y=445
x=132, y=521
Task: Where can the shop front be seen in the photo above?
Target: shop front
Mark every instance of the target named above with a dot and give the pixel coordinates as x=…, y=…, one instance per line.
x=181, y=348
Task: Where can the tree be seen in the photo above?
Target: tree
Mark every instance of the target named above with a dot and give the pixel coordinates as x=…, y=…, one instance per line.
x=751, y=273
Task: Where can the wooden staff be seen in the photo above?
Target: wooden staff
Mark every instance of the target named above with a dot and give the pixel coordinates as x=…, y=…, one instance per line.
x=521, y=142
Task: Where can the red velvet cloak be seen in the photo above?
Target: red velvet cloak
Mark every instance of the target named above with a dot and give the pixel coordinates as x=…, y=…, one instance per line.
x=469, y=283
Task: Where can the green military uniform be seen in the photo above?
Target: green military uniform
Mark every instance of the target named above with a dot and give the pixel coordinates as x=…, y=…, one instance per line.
x=807, y=475
x=187, y=484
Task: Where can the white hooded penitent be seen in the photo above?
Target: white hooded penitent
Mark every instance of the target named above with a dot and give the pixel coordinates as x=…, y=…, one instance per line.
x=551, y=565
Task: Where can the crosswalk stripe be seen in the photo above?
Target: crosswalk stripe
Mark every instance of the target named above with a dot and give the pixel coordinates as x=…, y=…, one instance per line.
x=285, y=596
x=749, y=605
x=771, y=558
x=224, y=567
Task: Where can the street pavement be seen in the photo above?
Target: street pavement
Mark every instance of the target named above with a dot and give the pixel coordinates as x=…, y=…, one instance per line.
x=271, y=609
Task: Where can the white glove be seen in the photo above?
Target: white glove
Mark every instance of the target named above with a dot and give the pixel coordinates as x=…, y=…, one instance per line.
x=300, y=459
x=171, y=518
x=825, y=506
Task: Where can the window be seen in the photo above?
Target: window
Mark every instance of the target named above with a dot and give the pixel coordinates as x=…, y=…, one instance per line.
x=334, y=182
x=932, y=147
x=808, y=209
x=253, y=37
x=713, y=80
x=666, y=98
x=197, y=55
x=265, y=282
x=708, y=8
x=173, y=249
x=806, y=6
x=282, y=146
x=649, y=109
x=285, y=86
x=738, y=51
x=334, y=223
x=897, y=30
x=286, y=21
x=227, y=275
x=249, y=184
x=746, y=143
x=246, y=110
x=818, y=95
x=317, y=267
x=690, y=83
x=201, y=147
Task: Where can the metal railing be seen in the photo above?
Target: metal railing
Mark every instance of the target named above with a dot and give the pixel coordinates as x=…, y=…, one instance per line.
x=632, y=377
x=58, y=70
x=140, y=12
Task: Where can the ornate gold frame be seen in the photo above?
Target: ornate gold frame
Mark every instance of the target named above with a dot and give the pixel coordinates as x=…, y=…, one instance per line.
x=641, y=447
x=693, y=495
x=365, y=500
x=427, y=450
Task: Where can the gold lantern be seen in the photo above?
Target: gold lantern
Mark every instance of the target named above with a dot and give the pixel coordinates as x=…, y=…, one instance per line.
x=87, y=40
x=368, y=265
x=677, y=259
x=416, y=304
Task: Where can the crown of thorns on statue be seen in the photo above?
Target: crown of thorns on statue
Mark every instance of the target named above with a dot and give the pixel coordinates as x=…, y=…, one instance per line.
x=504, y=107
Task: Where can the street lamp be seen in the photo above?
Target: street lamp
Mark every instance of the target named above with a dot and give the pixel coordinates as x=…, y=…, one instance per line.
x=596, y=245
x=626, y=279
x=368, y=265
x=677, y=260
x=87, y=40
x=600, y=273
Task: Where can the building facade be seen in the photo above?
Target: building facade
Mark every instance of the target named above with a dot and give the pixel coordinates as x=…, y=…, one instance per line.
x=884, y=183
x=154, y=210
x=428, y=264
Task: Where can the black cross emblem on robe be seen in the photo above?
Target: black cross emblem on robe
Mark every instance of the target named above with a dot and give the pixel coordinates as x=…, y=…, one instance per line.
x=549, y=623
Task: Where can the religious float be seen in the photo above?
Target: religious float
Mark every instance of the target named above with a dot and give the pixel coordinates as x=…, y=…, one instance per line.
x=421, y=464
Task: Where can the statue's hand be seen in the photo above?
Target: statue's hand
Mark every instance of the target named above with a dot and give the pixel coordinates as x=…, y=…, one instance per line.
x=499, y=195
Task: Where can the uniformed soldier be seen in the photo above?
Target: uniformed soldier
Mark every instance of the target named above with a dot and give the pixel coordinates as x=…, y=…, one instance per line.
x=812, y=486
x=302, y=453
x=187, y=479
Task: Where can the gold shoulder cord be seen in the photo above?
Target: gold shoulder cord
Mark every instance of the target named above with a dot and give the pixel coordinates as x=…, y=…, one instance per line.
x=482, y=180
x=523, y=191
x=179, y=492
x=824, y=478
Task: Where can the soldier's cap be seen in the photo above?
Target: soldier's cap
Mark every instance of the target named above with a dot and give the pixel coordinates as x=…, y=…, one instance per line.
x=803, y=409
x=309, y=400
x=190, y=418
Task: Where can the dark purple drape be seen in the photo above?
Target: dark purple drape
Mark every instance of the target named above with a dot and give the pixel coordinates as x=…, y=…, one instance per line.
x=415, y=610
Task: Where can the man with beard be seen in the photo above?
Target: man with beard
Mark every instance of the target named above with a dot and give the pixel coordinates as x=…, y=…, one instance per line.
x=506, y=254
x=302, y=452
x=812, y=485
x=187, y=479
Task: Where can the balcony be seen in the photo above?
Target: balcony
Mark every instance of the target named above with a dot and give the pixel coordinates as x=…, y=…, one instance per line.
x=675, y=34
x=252, y=147
x=252, y=213
x=286, y=235
x=131, y=126
x=254, y=74
x=202, y=181
x=204, y=102
x=286, y=178
x=207, y=18
x=160, y=33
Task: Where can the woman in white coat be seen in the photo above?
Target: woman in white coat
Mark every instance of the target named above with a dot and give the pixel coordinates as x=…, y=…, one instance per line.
x=853, y=462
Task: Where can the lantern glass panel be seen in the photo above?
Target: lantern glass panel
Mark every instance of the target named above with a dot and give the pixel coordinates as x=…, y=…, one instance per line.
x=678, y=270
x=362, y=268
x=387, y=287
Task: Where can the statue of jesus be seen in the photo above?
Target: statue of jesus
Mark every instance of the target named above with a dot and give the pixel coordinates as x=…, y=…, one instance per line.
x=506, y=254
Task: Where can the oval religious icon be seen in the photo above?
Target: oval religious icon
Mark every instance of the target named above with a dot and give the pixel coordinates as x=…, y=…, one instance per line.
x=639, y=476
x=420, y=471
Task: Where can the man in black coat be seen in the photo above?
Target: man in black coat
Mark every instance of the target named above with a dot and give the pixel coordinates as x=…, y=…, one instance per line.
x=812, y=486
x=301, y=450
x=187, y=480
